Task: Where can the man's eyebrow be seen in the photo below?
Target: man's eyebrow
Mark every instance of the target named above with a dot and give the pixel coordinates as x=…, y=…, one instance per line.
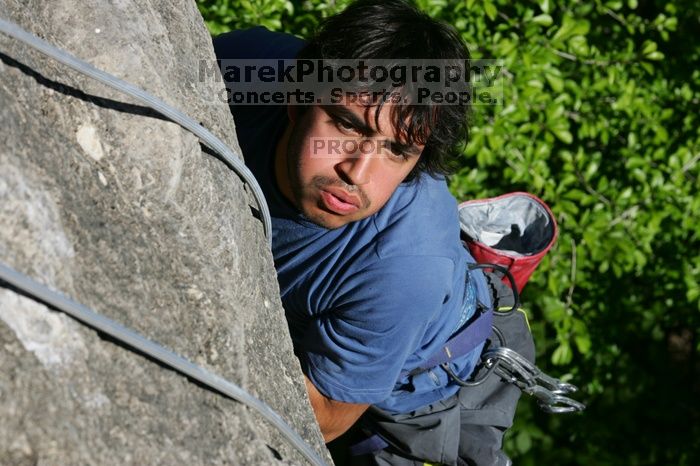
x=336, y=111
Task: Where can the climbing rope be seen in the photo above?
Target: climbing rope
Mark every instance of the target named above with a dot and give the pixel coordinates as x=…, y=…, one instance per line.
x=155, y=103
x=138, y=342
x=37, y=291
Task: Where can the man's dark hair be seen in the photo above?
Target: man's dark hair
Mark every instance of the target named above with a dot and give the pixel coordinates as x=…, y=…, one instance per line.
x=396, y=30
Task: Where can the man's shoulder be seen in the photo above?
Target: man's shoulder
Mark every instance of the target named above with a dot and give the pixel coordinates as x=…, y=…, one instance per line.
x=420, y=219
x=419, y=222
x=256, y=43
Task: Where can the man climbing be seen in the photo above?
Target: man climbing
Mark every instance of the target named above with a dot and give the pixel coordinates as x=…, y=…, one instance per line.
x=373, y=276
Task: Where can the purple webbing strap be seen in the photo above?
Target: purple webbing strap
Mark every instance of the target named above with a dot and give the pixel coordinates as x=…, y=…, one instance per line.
x=472, y=334
x=464, y=342
x=368, y=445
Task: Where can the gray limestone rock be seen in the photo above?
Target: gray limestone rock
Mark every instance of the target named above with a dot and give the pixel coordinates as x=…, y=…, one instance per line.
x=126, y=213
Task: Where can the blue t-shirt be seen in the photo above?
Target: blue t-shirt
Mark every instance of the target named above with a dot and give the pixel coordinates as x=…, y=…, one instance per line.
x=369, y=301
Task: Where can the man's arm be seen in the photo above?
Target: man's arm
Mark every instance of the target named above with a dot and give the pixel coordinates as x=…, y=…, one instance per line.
x=334, y=417
x=358, y=356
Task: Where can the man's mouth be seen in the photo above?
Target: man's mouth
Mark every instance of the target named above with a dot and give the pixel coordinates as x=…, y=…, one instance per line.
x=338, y=201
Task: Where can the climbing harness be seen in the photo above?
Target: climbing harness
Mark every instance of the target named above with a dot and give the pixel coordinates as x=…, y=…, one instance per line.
x=39, y=292
x=508, y=364
x=509, y=234
x=513, y=368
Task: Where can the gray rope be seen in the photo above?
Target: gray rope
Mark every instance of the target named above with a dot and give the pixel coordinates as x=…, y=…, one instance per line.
x=108, y=326
x=156, y=351
x=156, y=104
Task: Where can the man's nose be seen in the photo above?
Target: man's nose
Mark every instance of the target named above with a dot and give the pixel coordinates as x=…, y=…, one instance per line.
x=355, y=168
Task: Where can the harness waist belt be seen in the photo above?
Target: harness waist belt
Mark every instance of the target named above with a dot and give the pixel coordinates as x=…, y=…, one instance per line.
x=474, y=333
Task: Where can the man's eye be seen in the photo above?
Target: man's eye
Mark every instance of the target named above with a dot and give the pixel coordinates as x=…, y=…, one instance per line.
x=397, y=151
x=344, y=125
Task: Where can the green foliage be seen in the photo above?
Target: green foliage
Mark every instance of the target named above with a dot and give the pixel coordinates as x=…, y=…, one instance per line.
x=600, y=119
x=299, y=18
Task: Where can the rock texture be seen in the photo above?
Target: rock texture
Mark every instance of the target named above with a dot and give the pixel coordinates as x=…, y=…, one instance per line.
x=126, y=213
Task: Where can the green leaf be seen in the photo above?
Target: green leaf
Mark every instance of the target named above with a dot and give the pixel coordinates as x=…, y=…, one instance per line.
x=553, y=309
x=655, y=56
x=523, y=442
x=562, y=355
x=648, y=47
x=591, y=170
x=542, y=20
x=579, y=45
x=536, y=83
x=583, y=343
x=571, y=27
x=490, y=10
x=563, y=134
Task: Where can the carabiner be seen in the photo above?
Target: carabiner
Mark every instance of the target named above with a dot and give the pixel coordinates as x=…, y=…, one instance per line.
x=554, y=403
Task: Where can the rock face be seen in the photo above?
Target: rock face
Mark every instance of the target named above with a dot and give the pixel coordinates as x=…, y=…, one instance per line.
x=125, y=213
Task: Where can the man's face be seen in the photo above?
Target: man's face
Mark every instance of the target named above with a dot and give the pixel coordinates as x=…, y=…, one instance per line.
x=339, y=166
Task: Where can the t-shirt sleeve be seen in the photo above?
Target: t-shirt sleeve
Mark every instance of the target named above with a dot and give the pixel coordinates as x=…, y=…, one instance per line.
x=355, y=351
